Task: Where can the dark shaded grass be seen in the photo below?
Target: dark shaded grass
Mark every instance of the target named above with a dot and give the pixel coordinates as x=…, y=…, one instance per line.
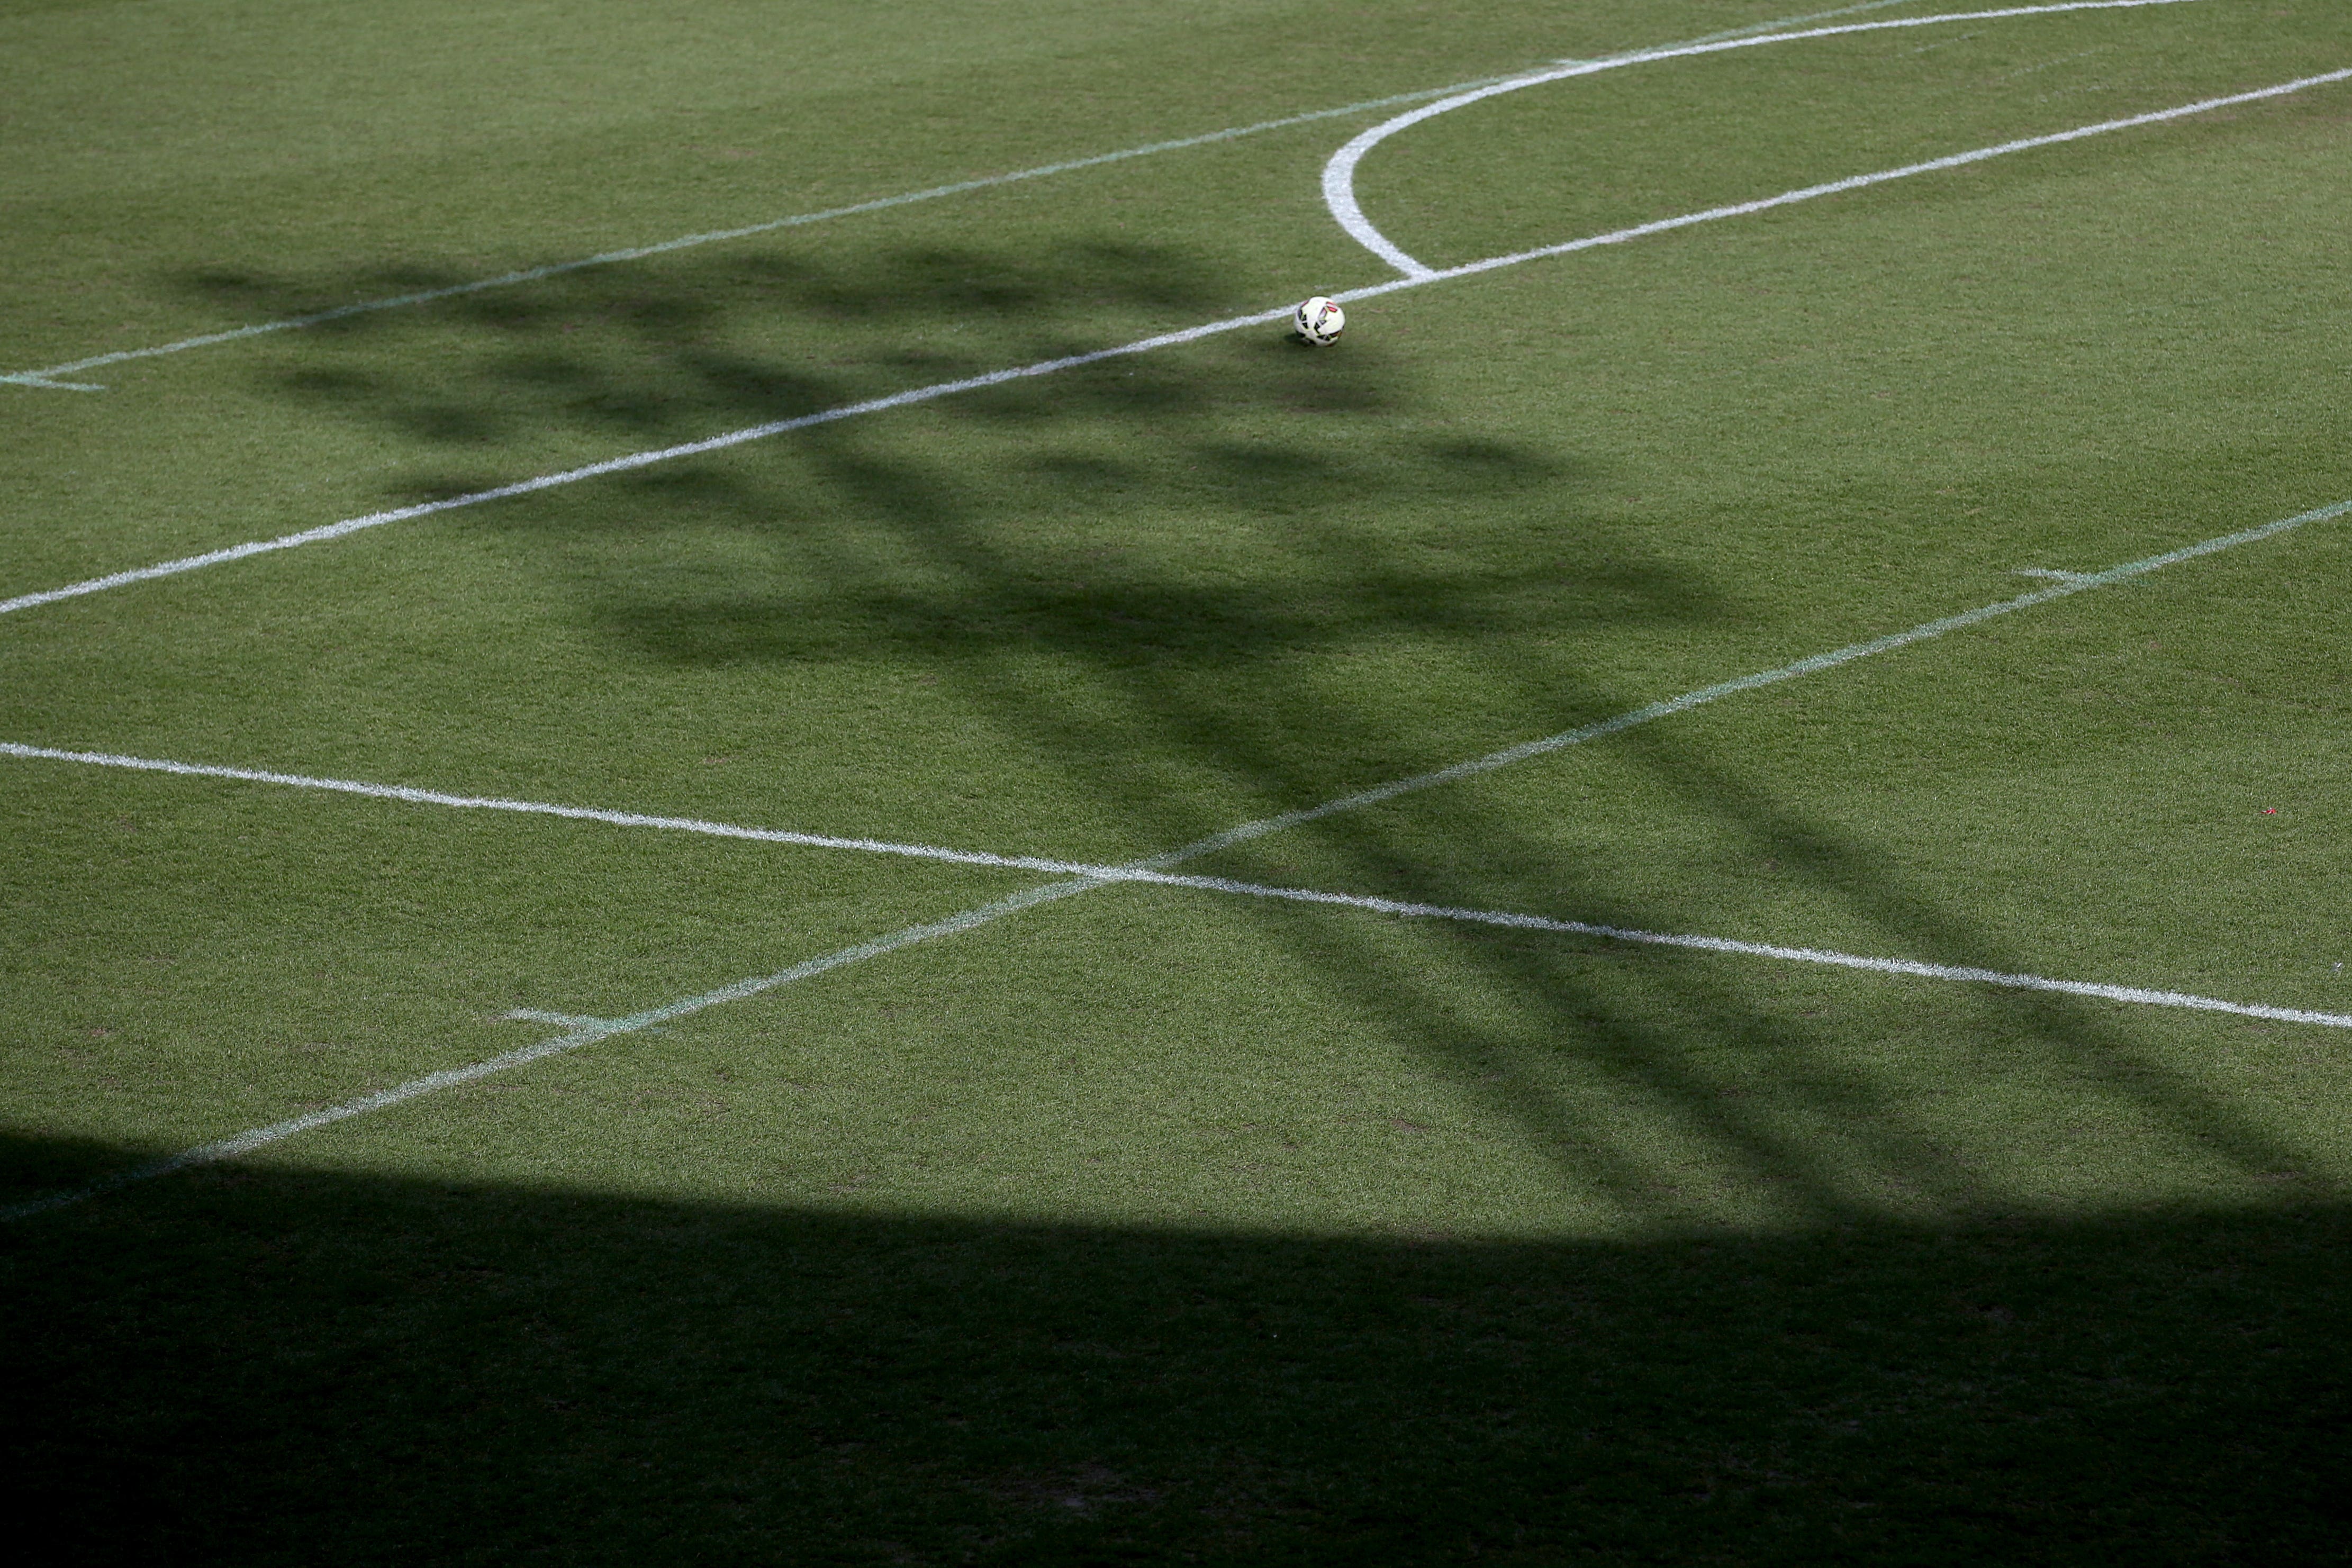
x=276, y=1367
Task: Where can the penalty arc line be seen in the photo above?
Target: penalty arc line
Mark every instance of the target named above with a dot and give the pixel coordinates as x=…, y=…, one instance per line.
x=1047, y=367
x=1339, y=172
x=1837, y=187
x=1155, y=869
x=588, y=1033
x=46, y=376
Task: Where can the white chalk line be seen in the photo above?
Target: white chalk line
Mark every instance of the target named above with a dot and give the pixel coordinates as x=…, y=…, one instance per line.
x=632, y=461
x=2074, y=584
x=584, y=1031
x=1165, y=339
x=587, y=1031
x=1958, y=972
x=46, y=376
x=585, y=1034
x=545, y=809
x=1863, y=181
x=1339, y=172
x=2066, y=585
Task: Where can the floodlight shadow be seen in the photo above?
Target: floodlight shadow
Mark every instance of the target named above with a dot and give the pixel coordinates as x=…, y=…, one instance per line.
x=898, y=556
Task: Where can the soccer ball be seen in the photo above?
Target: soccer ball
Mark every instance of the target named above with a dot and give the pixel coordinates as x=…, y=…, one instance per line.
x=1319, y=322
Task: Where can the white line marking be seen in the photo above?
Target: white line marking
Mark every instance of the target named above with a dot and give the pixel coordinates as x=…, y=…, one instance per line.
x=544, y=809
x=584, y=1031
x=1764, y=950
x=568, y=1020
x=2066, y=585
x=43, y=378
x=1922, y=633
x=1339, y=173
x=1165, y=339
x=35, y=379
x=1837, y=187
x=632, y=461
x=246, y=1143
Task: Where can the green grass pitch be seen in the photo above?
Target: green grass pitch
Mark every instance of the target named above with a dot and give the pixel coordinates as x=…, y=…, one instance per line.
x=1161, y=1223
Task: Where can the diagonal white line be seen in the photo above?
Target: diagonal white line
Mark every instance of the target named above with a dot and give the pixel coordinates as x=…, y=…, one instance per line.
x=1154, y=870
x=2067, y=585
x=1759, y=950
x=545, y=809
x=1861, y=181
x=589, y=1032
x=1049, y=367
x=246, y=1143
x=46, y=377
x=1922, y=633
x=625, y=464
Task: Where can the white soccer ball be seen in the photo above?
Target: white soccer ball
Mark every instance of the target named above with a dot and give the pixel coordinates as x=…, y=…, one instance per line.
x=1319, y=322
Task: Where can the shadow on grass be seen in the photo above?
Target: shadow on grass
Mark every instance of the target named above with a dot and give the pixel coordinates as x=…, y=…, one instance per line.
x=263, y=1368
x=1156, y=569
x=288, y=1368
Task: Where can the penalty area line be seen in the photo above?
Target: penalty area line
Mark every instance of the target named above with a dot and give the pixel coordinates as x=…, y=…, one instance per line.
x=914, y=395
x=1852, y=182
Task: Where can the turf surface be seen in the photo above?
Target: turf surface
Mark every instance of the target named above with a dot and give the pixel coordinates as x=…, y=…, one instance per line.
x=979, y=1250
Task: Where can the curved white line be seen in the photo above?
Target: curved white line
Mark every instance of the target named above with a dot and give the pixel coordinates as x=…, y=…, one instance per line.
x=1165, y=340
x=46, y=376
x=1834, y=187
x=1339, y=173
